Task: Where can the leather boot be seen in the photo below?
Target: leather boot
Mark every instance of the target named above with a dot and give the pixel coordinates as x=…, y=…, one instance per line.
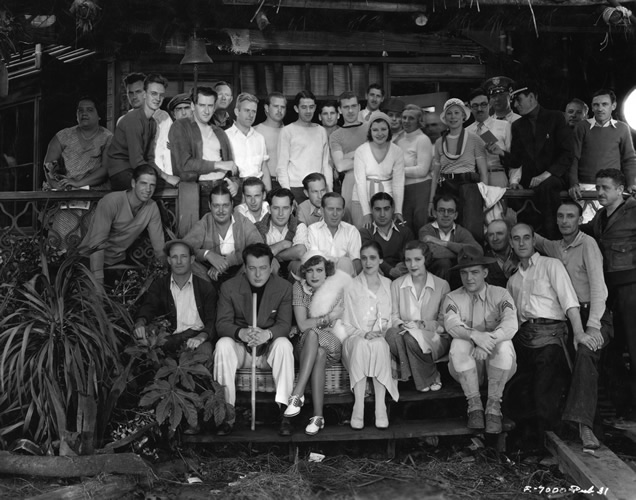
x=475, y=413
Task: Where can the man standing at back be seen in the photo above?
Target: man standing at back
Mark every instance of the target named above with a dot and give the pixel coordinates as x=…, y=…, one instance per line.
x=499, y=90
x=344, y=142
x=375, y=96
x=222, y=117
x=303, y=148
x=275, y=109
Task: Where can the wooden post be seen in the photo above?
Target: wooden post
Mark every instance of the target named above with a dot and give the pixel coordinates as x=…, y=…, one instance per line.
x=254, y=319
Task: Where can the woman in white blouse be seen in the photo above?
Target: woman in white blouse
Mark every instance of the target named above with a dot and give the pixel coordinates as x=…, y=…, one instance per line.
x=378, y=165
x=365, y=353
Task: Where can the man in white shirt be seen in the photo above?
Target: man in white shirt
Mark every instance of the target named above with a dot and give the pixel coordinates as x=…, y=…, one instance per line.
x=545, y=299
x=254, y=206
x=250, y=151
x=275, y=108
x=496, y=135
x=339, y=241
x=286, y=237
x=375, y=96
x=303, y=148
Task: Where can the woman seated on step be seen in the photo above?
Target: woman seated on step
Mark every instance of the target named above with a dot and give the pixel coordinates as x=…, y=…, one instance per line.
x=318, y=309
x=365, y=352
x=416, y=337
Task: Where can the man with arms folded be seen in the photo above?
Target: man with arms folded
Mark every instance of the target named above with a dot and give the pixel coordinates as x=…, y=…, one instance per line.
x=482, y=319
x=239, y=340
x=303, y=148
x=120, y=217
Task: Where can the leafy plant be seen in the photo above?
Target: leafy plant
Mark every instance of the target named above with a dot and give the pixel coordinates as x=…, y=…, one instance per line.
x=59, y=367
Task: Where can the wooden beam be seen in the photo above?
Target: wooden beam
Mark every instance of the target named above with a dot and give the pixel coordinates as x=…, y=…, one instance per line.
x=376, y=6
x=598, y=474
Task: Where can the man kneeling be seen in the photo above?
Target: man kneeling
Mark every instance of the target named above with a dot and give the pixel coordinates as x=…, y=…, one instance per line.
x=270, y=337
x=482, y=319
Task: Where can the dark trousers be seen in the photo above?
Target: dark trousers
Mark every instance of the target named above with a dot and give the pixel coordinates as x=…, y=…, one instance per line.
x=415, y=207
x=470, y=210
x=542, y=372
x=622, y=302
x=547, y=198
x=580, y=405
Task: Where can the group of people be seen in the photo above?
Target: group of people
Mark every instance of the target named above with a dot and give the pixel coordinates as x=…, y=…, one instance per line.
x=328, y=227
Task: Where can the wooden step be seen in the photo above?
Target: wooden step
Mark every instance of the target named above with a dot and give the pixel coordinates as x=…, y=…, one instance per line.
x=405, y=429
x=597, y=474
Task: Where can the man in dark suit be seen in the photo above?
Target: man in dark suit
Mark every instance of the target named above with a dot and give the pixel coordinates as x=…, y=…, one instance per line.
x=188, y=302
x=270, y=337
x=541, y=144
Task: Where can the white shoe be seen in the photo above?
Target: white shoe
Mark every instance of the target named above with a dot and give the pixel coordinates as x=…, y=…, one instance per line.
x=315, y=424
x=294, y=404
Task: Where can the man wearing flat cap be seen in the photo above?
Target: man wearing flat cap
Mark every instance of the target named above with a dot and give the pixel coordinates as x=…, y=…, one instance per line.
x=499, y=89
x=482, y=319
x=188, y=302
x=180, y=107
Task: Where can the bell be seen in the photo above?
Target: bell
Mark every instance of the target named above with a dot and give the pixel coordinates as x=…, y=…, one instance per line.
x=195, y=52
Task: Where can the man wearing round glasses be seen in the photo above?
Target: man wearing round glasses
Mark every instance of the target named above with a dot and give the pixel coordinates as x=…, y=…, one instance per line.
x=495, y=134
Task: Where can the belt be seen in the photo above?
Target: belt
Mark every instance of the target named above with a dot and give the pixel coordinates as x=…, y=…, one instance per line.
x=496, y=170
x=544, y=321
x=463, y=175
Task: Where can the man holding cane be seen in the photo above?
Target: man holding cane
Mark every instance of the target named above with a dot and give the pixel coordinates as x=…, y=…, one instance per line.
x=270, y=336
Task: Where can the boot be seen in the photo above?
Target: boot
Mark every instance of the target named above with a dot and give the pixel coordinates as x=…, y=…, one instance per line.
x=497, y=379
x=493, y=416
x=475, y=413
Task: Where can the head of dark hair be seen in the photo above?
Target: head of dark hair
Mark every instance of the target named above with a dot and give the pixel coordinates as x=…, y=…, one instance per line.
x=257, y=250
x=375, y=120
x=131, y=78
x=272, y=95
x=253, y=181
x=382, y=196
x=304, y=94
x=572, y=203
x=373, y=244
x=205, y=91
x=330, y=267
x=518, y=224
x=423, y=247
x=143, y=169
x=347, y=94
x=328, y=103
x=445, y=197
x=222, y=83
x=476, y=93
x=332, y=194
x=220, y=189
x=280, y=193
x=612, y=173
x=376, y=86
x=155, y=78
x=608, y=92
x=96, y=103
x=313, y=177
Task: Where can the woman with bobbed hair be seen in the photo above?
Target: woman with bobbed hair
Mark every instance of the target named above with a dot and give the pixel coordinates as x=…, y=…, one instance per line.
x=317, y=302
x=416, y=337
x=365, y=353
x=378, y=165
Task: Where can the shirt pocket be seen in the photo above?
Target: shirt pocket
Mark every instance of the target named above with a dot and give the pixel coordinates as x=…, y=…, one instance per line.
x=622, y=256
x=540, y=287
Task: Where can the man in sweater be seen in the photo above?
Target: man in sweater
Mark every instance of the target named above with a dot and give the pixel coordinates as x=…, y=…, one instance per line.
x=599, y=143
x=219, y=238
x=446, y=239
x=303, y=148
x=583, y=261
x=120, y=217
x=418, y=155
x=614, y=228
x=275, y=108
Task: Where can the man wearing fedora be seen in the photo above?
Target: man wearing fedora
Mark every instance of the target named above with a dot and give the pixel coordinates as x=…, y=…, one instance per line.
x=482, y=319
x=188, y=301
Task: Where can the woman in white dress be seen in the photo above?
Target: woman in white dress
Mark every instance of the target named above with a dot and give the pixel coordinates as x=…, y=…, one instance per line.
x=365, y=353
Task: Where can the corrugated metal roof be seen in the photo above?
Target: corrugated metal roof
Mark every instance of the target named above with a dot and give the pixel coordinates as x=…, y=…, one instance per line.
x=28, y=62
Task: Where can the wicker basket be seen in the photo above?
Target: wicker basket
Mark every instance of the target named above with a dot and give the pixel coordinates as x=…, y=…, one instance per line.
x=336, y=380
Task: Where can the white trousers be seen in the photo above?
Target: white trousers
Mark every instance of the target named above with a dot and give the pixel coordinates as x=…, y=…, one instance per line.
x=230, y=355
x=503, y=356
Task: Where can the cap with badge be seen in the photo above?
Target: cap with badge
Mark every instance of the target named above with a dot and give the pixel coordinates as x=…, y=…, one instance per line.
x=523, y=88
x=395, y=105
x=498, y=85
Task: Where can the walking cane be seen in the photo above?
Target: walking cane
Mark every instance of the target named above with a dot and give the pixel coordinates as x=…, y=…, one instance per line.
x=254, y=365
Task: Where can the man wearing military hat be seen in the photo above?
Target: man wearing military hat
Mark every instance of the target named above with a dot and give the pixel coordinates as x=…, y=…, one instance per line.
x=499, y=88
x=482, y=319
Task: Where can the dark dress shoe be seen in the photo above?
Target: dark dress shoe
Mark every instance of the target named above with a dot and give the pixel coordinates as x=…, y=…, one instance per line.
x=285, y=428
x=225, y=429
x=475, y=419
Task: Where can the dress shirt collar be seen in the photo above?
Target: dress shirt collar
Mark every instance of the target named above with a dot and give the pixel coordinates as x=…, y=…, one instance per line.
x=234, y=130
x=408, y=282
x=173, y=283
x=316, y=212
x=481, y=295
x=391, y=229
x=436, y=226
x=609, y=123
